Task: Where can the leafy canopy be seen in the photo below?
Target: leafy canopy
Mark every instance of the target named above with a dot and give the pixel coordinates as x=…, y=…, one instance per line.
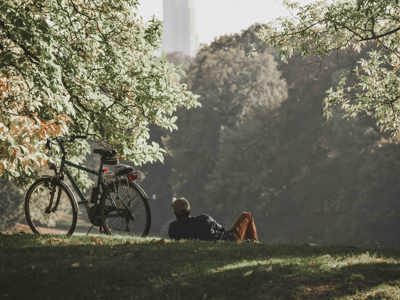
x=235, y=79
x=373, y=86
x=81, y=67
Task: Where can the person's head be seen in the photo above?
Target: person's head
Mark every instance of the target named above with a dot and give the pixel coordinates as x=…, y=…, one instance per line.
x=181, y=207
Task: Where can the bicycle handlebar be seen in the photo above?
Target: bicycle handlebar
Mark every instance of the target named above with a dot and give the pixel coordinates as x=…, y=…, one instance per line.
x=61, y=140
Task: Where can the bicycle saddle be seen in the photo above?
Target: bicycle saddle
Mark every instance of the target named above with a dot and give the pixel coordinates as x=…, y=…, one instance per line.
x=108, y=157
x=105, y=152
x=122, y=170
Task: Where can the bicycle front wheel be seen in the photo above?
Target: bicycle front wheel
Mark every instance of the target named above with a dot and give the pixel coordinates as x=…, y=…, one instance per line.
x=126, y=211
x=50, y=207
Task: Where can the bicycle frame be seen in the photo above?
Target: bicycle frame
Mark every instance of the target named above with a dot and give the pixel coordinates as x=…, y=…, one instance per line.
x=64, y=170
x=100, y=182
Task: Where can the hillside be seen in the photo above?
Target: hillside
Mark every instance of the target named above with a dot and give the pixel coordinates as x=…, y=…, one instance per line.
x=95, y=267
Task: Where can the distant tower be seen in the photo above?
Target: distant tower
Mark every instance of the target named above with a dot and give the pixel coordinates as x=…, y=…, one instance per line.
x=179, y=27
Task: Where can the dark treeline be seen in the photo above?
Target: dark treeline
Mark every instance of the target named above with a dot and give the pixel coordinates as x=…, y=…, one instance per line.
x=11, y=204
x=260, y=142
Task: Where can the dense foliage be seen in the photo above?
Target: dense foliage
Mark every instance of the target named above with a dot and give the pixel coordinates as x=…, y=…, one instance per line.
x=233, y=84
x=372, y=86
x=81, y=67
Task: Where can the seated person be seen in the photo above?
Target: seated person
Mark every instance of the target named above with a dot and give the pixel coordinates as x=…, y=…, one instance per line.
x=205, y=228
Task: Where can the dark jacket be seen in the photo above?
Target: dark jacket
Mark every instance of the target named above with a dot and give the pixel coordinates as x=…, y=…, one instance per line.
x=202, y=227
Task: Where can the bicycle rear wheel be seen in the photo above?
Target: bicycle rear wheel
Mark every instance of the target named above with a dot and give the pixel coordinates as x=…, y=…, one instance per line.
x=50, y=208
x=126, y=211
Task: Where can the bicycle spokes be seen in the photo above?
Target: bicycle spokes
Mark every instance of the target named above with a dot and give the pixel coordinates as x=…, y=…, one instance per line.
x=50, y=209
x=130, y=213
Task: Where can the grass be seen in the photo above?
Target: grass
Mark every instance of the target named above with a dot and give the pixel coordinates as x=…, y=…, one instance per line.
x=98, y=267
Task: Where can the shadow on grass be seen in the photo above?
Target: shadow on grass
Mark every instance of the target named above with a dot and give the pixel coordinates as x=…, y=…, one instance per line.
x=117, y=269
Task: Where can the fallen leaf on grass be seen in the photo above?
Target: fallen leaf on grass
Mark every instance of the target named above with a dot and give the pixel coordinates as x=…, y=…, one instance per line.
x=97, y=241
x=158, y=242
x=54, y=241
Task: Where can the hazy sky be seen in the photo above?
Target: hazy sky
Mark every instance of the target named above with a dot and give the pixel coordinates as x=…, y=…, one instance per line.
x=217, y=17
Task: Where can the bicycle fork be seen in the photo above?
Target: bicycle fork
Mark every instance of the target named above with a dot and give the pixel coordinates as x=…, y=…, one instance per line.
x=50, y=208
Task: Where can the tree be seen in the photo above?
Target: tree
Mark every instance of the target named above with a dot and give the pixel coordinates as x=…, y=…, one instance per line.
x=373, y=86
x=81, y=67
x=234, y=80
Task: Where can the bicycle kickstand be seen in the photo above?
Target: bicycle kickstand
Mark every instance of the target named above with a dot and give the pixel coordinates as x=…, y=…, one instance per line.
x=90, y=229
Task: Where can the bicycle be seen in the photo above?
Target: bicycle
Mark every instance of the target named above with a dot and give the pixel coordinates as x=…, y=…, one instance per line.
x=118, y=204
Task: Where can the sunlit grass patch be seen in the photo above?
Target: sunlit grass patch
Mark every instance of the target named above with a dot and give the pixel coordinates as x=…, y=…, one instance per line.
x=246, y=264
x=95, y=240
x=359, y=259
x=383, y=291
x=31, y=240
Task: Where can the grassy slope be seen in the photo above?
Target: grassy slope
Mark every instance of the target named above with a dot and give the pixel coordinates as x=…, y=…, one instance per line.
x=116, y=268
